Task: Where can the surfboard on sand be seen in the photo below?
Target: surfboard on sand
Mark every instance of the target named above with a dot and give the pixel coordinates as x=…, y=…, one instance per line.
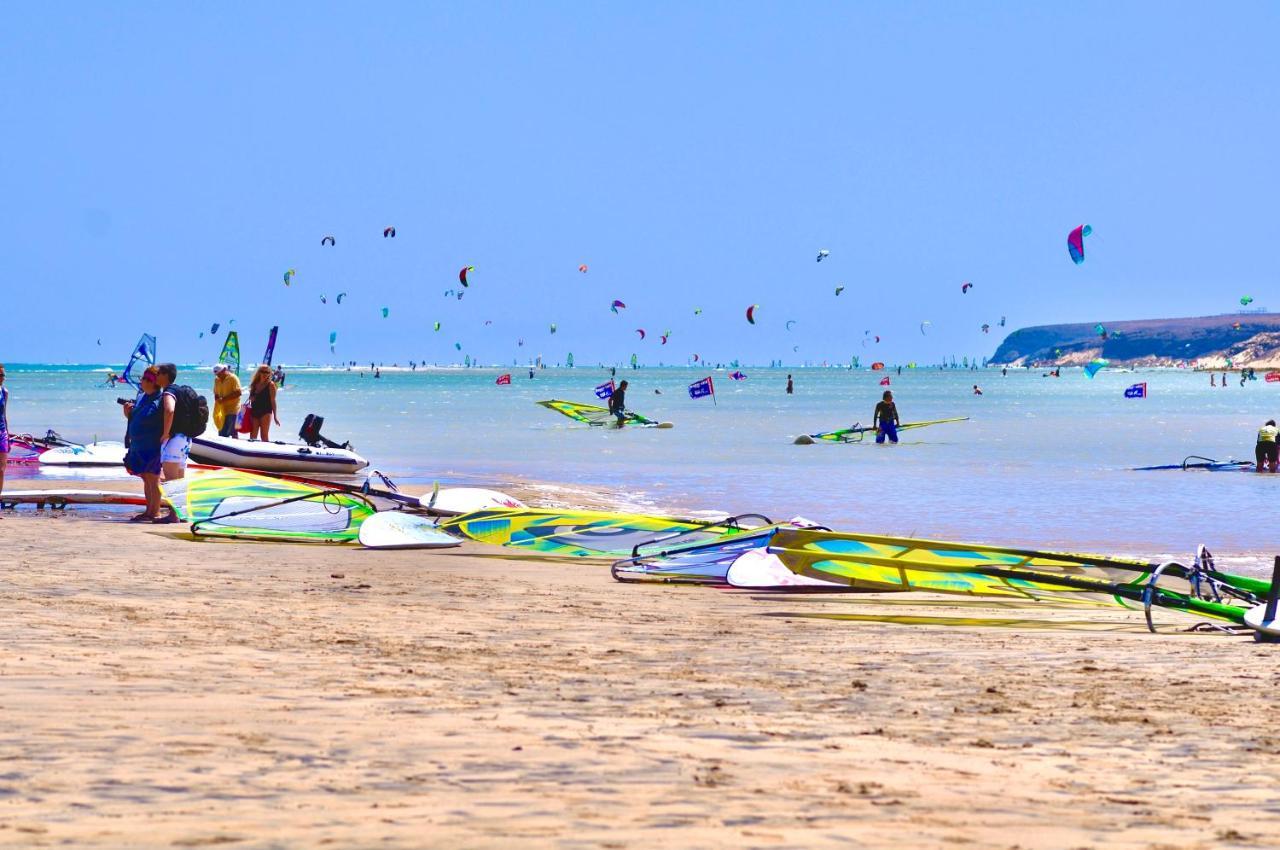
x=400, y=530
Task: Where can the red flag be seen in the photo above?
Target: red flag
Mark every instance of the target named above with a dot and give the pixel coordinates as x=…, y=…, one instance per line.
x=884, y=382
x=504, y=379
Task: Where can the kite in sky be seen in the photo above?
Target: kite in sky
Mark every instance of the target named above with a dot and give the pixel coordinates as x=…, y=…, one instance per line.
x=1075, y=243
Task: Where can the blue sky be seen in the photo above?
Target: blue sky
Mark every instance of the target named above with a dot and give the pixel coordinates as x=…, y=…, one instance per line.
x=164, y=164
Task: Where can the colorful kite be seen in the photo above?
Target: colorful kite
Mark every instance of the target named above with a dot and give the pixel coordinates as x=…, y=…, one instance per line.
x=1075, y=243
x=751, y=313
x=462, y=275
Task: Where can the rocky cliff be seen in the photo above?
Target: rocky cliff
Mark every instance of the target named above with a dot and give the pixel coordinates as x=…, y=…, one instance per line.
x=1211, y=342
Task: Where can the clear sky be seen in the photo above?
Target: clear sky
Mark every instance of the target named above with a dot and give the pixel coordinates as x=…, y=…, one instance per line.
x=165, y=163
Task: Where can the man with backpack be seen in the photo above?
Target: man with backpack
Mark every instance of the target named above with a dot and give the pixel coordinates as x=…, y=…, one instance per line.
x=186, y=414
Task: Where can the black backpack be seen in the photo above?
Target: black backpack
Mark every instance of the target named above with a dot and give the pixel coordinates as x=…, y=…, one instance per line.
x=190, y=411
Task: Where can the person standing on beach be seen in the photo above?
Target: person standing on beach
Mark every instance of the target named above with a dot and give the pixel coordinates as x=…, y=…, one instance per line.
x=180, y=410
x=618, y=404
x=885, y=419
x=226, y=400
x=791, y=388
x=4, y=427
x=1267, y=452
x=262, y=404
x=146, y=418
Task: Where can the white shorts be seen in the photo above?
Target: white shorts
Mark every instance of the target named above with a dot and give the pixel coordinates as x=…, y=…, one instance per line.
x=176, y=449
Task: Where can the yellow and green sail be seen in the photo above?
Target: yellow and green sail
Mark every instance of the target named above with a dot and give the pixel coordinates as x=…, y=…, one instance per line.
x=877, y=564
x=591, y=414
x=234, y=503
x=577, y=533
x=858, y=432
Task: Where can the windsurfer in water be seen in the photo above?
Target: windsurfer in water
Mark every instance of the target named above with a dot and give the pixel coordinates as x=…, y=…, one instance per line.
x=618, y=403
x=885, y=420
x=1267, y=452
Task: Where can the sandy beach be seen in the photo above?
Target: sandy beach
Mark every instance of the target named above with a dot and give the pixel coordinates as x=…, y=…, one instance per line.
x=161, y=692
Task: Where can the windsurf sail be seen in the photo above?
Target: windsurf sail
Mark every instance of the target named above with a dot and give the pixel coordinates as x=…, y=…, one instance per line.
x=582, y=533
x=234, y=503
x=230, y=354
x=1206, y=464
x=857, y=432
x=144, y=355
x=876, y=564
x=591, y=414
x=701, y=563
x=271, y=345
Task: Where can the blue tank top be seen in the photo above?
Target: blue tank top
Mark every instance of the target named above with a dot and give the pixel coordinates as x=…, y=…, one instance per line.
x=146, y=424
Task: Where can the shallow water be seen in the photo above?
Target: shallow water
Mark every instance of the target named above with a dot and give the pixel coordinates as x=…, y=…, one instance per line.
x=1043, y=461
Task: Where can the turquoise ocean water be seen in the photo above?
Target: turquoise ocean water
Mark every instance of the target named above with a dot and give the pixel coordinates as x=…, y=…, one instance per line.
x=1043, y=461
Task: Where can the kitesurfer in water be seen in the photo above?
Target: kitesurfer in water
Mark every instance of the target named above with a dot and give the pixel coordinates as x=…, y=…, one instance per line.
x=618, y=403
x=1267, y=452
x=885, y=420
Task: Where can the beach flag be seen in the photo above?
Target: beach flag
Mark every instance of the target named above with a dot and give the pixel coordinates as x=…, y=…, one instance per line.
x=605, y=390
x=1136, y=391
x=504, y=380
x=884, y=382
x=703, y=388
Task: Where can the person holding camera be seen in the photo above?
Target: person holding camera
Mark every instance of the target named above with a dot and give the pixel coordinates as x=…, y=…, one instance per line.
x=144, y=439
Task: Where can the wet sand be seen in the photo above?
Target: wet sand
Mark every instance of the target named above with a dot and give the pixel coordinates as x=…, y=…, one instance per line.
x=161, y=692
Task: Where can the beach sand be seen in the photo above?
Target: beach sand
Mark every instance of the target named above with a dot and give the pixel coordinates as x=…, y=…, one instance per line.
x=161, y=692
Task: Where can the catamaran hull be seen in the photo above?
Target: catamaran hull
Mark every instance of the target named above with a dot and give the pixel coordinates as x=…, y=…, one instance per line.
x=275, y=456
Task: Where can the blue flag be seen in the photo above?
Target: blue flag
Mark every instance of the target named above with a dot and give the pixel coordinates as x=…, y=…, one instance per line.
x=701, y=389
x=1136, y=391
x=605, y=390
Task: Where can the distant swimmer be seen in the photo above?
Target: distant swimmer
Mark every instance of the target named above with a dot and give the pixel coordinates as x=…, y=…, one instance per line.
x=977, y=390
x=1267, y=452
x=791, y=387
x=531, y=373
x=1004, y=373
x=1213, y=380
x=885, y=420
x=618, y=403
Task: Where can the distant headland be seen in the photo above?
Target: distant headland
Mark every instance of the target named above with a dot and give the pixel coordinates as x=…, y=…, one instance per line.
x=1235, y=340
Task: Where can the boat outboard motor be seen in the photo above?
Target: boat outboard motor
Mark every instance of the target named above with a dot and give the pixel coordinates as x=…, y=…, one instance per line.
x=310, y=434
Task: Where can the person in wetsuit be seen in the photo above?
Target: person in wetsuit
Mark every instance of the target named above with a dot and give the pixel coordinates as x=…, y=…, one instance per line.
x=618, y=404
x=1267, y=452
x=885, y=420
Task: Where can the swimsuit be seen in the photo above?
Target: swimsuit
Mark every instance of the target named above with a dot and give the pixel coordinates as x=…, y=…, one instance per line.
x=260, y=401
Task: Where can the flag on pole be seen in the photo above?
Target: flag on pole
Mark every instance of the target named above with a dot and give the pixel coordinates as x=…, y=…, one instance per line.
x=504, y=380
x=703, y=388
x=1136, y=391
x=605, y=390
